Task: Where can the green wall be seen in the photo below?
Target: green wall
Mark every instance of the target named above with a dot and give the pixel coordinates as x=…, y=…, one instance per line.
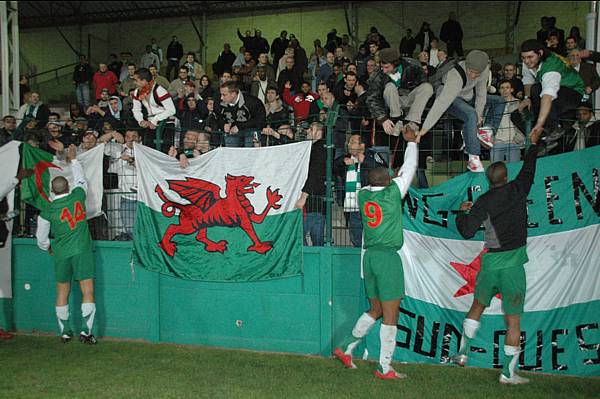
x=298, y=315
x=484, y=24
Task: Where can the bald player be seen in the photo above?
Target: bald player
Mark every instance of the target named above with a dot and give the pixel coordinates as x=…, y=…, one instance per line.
x=503, y=212
x=71, y=248
x=381, y=210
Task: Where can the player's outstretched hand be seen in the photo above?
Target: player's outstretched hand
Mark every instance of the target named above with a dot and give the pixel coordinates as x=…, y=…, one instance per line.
x=466, y=206
x=535, y=134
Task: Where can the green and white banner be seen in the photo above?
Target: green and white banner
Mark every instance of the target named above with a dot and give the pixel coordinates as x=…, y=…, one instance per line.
x=229, y=216
x=561, y=323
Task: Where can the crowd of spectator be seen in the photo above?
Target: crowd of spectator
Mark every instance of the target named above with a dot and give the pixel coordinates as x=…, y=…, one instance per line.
x=271, y=94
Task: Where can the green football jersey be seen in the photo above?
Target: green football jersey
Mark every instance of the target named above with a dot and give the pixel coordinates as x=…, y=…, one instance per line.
x=67, y=217
x=381, y=213
x=569, y=77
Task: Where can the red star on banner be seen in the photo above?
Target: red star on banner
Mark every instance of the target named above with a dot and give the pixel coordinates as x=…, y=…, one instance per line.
x=469, y=273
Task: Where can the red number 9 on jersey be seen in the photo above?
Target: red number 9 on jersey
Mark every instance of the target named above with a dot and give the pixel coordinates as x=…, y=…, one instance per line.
x=373, y=212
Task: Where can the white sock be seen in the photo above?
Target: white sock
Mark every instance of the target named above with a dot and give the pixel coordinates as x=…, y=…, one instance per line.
x=362, y=327
x=512, y=358
x=62, y=315
x=88, y=311
x=470, y=328
x=387, y=338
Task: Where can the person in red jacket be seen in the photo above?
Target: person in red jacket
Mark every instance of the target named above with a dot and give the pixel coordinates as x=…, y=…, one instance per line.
x=301, y=101
x=105, y=79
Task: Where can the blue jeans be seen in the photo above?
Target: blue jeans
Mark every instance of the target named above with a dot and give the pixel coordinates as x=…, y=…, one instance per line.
x=314, y=225
x=465, y=111
x=243, y=138
x=128, y=209
x=505, y=152
x=355, y=224
x=82, y=91
x=494, y=110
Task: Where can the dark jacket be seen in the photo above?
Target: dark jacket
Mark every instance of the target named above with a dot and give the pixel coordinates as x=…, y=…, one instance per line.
x=589, y=75
x=83, y=73
x=255, y=87
x=340, y=168
x=359, y=112
x=340, y=96
x=315, y=182
x=5, y=136
x=407, y=46
x=502, y=211
x=224, y=63
x=294, y=76
x=420, y=40
x=248, y=113
x=175, y=50
x=278, y=48
x=193, y=119
x=412, y=76
x=451, y=32
x=592, y=137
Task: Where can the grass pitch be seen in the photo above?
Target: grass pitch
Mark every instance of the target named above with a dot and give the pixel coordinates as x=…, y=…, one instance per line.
x=43, y=367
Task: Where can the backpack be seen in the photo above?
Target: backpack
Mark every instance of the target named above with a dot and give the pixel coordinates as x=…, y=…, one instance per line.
x=443, y=69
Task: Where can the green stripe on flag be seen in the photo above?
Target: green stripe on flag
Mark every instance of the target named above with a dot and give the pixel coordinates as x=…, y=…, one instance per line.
x=35, y=190
x=192, y=261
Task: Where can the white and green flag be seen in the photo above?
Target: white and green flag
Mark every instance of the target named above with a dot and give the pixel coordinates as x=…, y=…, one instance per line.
x=561, y=323
x=229, y=216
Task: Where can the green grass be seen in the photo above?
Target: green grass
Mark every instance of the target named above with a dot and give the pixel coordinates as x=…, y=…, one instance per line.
x=42, y=367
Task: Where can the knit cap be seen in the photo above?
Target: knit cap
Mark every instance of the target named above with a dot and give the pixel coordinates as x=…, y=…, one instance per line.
x=477, y=60
x=388, y=55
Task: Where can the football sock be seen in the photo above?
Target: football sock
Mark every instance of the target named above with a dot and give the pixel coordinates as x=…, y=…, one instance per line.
x=470, y=328
x=62, y=315
x=88, y=311
x=361, y=329
x=511, y=358
x=387, y=337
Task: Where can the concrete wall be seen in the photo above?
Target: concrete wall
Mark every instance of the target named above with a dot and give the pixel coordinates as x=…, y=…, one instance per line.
x=484, y=24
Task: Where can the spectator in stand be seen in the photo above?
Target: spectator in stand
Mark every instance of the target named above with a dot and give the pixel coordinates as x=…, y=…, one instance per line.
x=127, y=83
x=174, y=55
x=247, y=40
x=224, y=61
x=261, y=83
x=588, y=72
x=175, y=88
x=278, y=47
x=284, y=134
x=424, y=61
x=333, y=40
x=371, y=69
x=161, y=80
x=554, y=28
x=104, y=79
x=433, y=54
x=75, y=113
x=575, y=33
x=149, y=58
x=585, y=132
x=8, y=130
x=242, y=116
x=553, y=89
x=373, y=51
x=239, y=59
x=553, y=43
x=408, y=44
x=195, y=70
x=276, y=116
x=115, y=65
x=112, y=113
x=104, y=96
x=291, y=74
x=571, y=44
x=261, y=45
x=348, y=50
x=509, y=72
x=317, y=61
x=344, y=89
x=542, y=34
x=193, y=113
x=205, y=89
x=339, y=56
x=157, y=102
x=188, y=149
x=379, y=38
x=359, y=111
x=245, y=70
x=33, y=110
x=442, y=56
x=300, y=58
x=301, y=101
x=424, y=37
x=158, y=51
x=508, y=139
x=336, y=76
x=24, y=88
x=263, y=61
x=126, y=59
x=212, y=121
x=82, y=77
x=452, y=34
x=326, y=69
x=283, y=61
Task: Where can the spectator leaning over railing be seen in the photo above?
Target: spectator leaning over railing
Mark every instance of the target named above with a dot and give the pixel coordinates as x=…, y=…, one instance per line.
x=554, y=89
x=187, y=150
x=462, y=90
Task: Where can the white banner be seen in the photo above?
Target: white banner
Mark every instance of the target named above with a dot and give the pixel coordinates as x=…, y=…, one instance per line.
x=9, y=158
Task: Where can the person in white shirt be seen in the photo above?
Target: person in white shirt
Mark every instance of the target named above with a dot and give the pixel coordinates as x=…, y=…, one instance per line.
x=433, y=53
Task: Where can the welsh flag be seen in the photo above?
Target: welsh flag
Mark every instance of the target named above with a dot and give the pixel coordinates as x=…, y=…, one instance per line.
x=36, y=189
x=561, y=323
x=229, y=216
